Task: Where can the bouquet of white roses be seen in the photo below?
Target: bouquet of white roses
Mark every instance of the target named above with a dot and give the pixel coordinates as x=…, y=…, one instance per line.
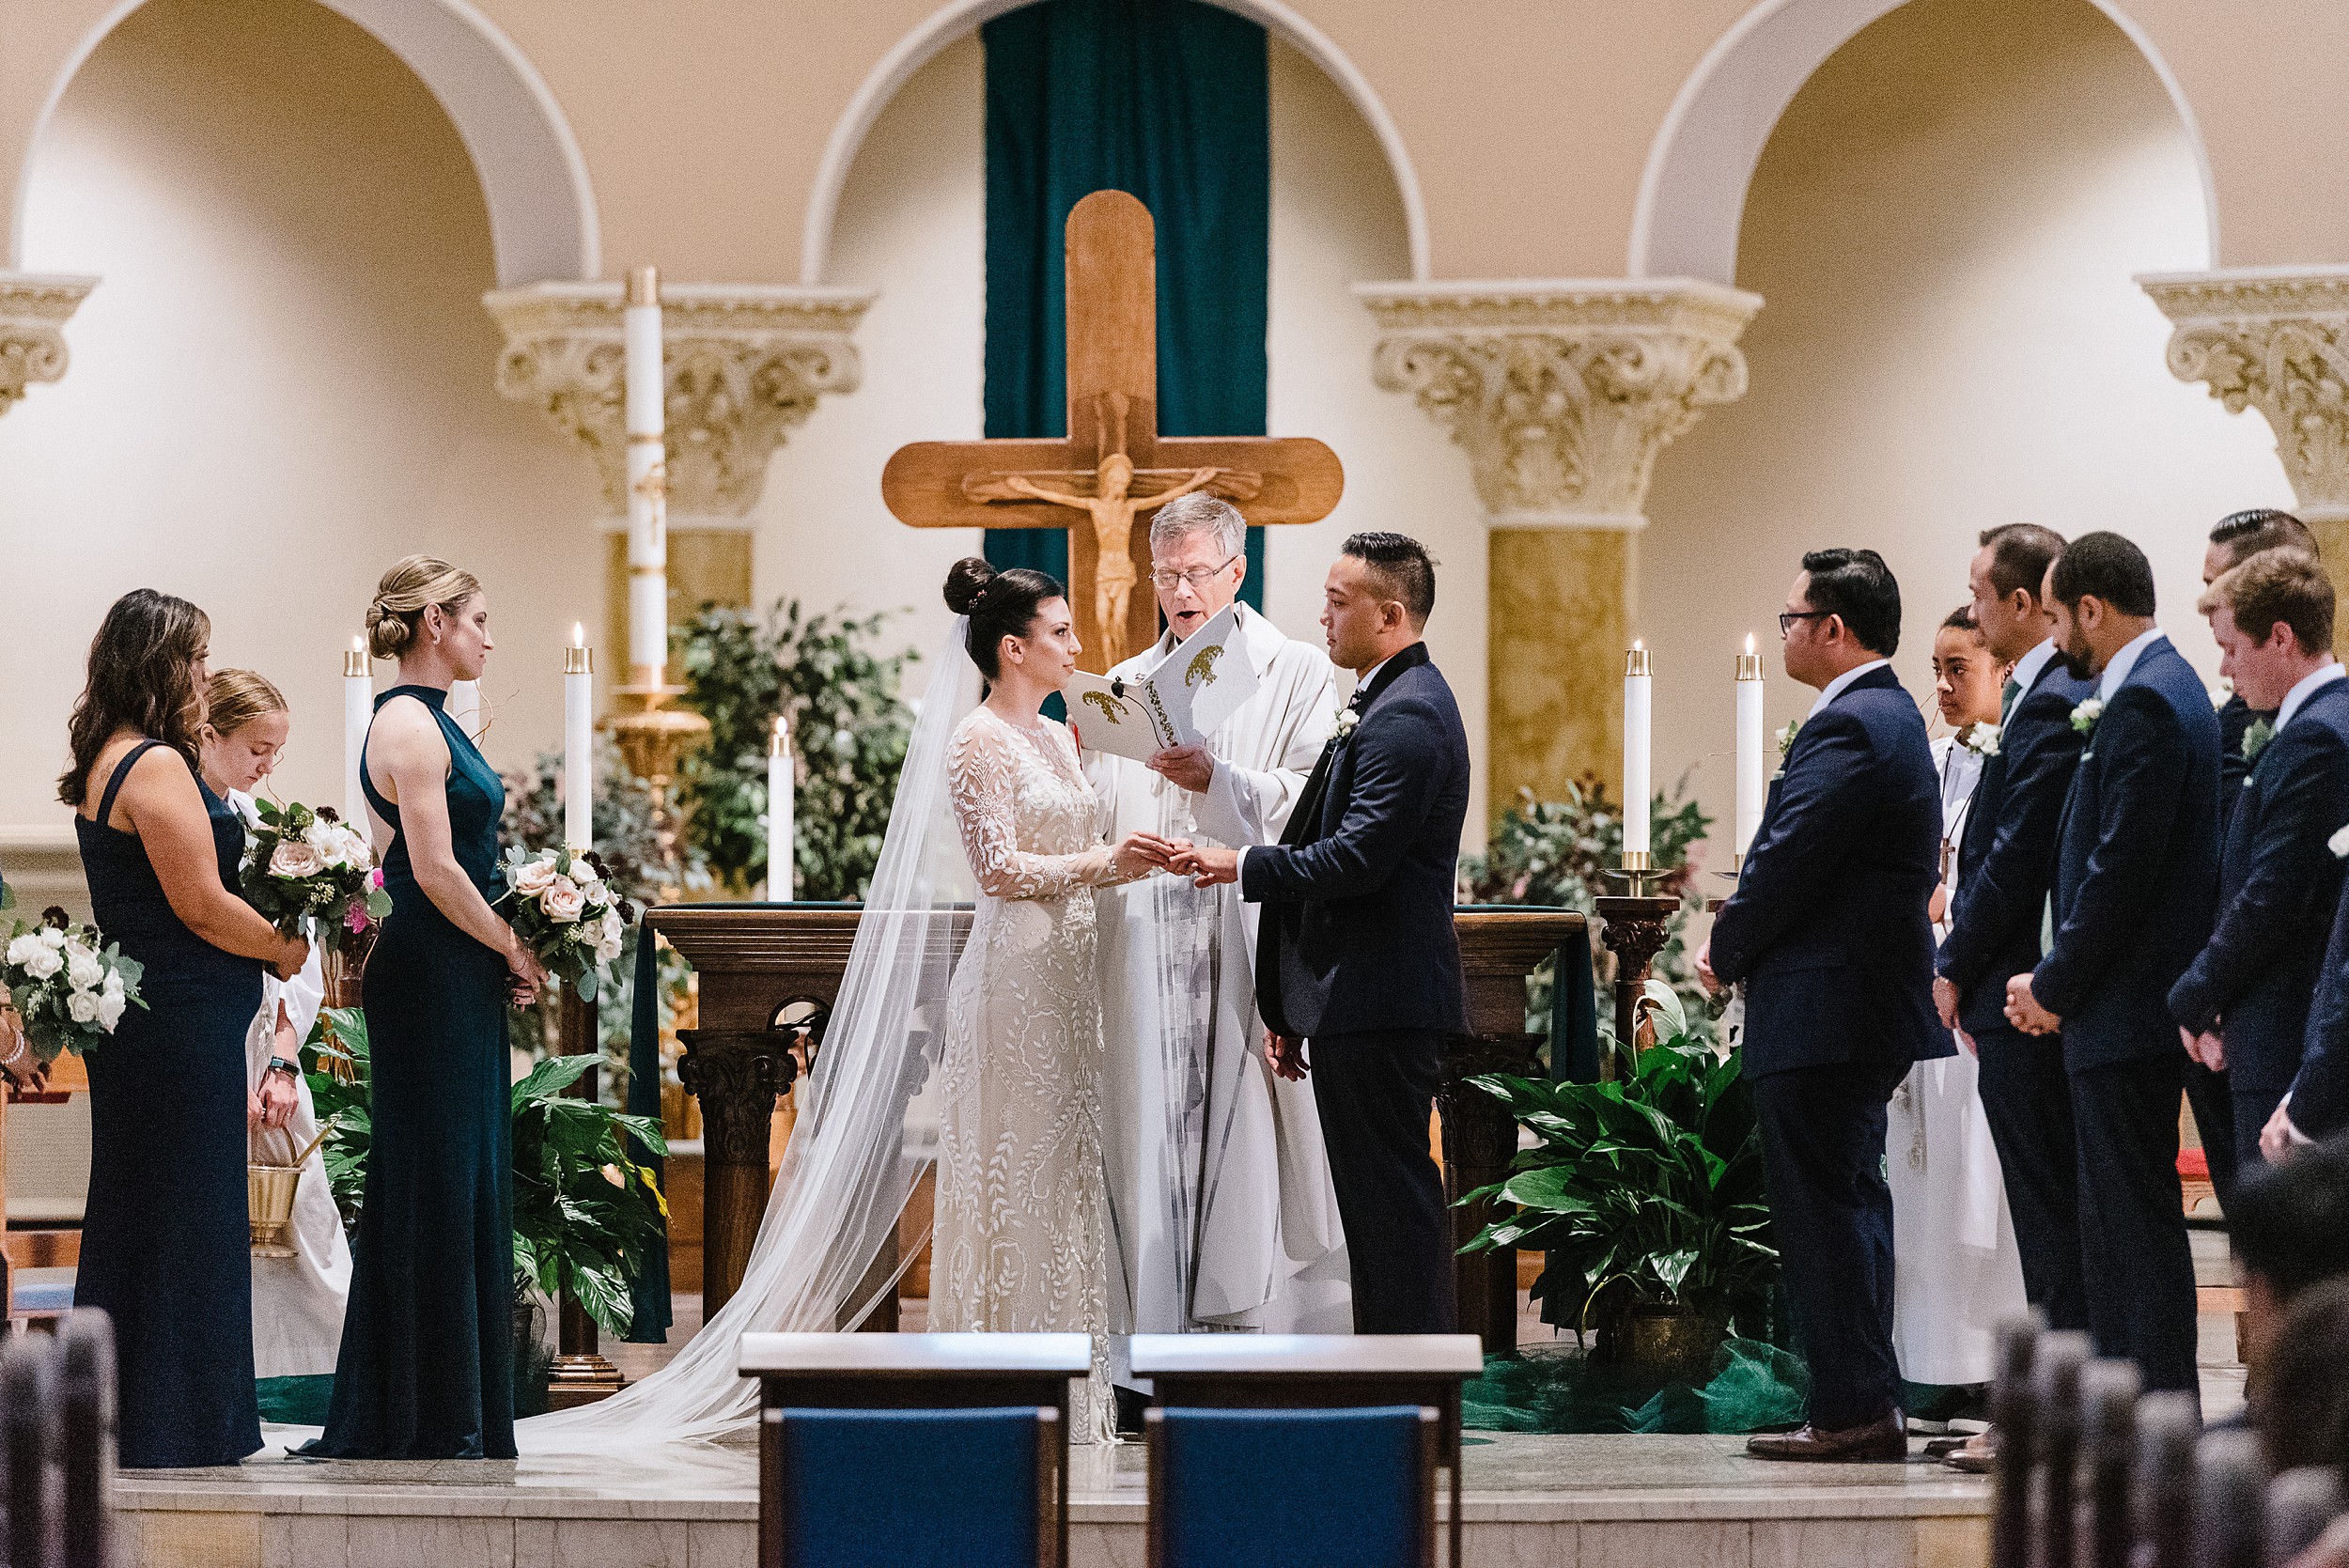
x=306, y=868
x=560, y=904
x=69, y=984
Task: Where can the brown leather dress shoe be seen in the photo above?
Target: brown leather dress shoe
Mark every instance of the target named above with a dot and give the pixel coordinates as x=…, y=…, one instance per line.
x=1881, y=1442
x=1980, y=1456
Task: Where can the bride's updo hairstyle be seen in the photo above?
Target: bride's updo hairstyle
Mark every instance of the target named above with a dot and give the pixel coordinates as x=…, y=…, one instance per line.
x=401, y=597
x=1000, y=604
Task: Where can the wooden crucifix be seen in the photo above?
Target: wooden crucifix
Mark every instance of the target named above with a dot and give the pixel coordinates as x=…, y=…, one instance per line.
x=1114, y=469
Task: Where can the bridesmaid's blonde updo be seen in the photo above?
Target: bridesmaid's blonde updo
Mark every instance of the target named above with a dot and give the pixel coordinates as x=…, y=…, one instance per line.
x=403, y=596
x=237, y=697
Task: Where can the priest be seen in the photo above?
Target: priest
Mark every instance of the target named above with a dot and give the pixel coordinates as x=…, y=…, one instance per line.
x=1222, y=1214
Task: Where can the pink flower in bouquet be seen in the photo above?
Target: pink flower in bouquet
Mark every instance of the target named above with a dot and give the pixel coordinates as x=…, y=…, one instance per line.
x=375, y=878
x=355, y=916
x=295, y=859
x=562, y=902
x=533, y=877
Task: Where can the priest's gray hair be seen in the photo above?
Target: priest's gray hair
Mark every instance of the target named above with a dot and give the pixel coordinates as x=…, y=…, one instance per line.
x=1200, y=513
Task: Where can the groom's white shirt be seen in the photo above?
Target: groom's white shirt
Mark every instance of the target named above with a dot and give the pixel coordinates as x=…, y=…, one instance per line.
x=1206, y=1149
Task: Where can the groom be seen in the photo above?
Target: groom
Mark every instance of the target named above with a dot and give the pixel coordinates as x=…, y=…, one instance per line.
x=1357, y=951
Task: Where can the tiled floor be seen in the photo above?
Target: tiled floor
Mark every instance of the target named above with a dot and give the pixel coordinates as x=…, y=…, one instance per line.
x=1551, y=1501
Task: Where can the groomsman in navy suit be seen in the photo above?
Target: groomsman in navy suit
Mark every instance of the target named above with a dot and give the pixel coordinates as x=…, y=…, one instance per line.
x=2243, y=1007
x=2004, y=866
x=2135, y=881
x=2235, y=539
x=1829, y=931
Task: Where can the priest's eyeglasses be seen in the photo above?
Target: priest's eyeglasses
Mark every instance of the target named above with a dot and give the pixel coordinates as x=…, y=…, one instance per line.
x=1198, y=577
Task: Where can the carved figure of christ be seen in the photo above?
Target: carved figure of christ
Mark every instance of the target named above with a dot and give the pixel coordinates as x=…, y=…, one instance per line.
x=1113, y=466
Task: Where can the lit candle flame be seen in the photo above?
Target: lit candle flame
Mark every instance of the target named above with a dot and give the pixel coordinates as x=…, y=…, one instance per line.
x=358, y=644
x=1748, y=642
x=579, y=634
x=780, y=740
x=1638, y=644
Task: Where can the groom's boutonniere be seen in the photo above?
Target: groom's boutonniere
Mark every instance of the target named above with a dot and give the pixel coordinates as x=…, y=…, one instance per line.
x=1982, y=739
x=1347, y=718
x=2255, y=740
x=1785, y=744
x=2085, y=714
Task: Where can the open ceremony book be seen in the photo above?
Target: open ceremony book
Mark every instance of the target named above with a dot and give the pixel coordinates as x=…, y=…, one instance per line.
x=1183, y=698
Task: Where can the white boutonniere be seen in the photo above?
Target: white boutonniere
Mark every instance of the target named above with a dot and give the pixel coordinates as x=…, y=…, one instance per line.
x=2085, y=714
x=1347, y=718
x=1982, y=739
x=2255, y=740
x=2339, y=844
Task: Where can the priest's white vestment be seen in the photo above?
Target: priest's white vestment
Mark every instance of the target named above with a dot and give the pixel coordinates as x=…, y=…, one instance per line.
x=1221, y=1216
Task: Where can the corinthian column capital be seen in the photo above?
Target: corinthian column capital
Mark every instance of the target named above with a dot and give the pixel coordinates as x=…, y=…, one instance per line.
x=2275, y=340
x=32, y=312
x=1562, y=391
x=743, y=364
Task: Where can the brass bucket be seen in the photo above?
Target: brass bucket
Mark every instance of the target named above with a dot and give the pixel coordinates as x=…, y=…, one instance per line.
x=1677, y=1340
x=270, y=1196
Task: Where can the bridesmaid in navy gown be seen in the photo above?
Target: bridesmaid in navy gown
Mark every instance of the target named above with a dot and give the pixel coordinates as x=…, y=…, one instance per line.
x=426, y=1365
x=164, y=1239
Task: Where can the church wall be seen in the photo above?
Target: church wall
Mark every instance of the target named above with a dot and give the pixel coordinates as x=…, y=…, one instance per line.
x=282, y=384
x=1945, y=235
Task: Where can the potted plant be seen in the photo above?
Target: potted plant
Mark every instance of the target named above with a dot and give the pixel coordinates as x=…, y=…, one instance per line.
x=1648, y=1196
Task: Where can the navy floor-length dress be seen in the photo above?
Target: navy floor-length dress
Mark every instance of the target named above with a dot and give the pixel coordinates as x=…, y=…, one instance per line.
x=426, y=1365
x=164, y=1238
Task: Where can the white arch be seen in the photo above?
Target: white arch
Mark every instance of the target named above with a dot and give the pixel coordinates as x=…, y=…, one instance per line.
x=542, y=210
x=1692, y=193
x=952, y=21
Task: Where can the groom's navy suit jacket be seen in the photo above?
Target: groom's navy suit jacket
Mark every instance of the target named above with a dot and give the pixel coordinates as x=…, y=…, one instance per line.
x=2319, y=1095
x=2278, y=886
x=2137, y=866
x=1829, y=928
x=2007, y=858
x=1357, y=934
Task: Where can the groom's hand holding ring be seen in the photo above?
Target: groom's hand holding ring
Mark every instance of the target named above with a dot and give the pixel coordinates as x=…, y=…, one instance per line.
x=1208, y=865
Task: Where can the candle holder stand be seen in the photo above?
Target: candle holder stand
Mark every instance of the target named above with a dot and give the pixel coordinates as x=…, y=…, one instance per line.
x=581, y=1374
x=1639, y=924
x=654, y=738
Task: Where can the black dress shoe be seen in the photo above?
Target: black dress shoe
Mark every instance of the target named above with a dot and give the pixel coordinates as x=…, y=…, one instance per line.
x=1882, y=1440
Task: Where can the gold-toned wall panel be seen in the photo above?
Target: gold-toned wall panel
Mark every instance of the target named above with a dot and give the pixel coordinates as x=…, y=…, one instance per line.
x=1560, y=613
x=707, y=565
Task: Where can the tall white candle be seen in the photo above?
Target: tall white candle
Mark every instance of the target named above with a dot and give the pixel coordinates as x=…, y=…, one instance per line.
x=579, y=739
x=781, y=785
x=1751, y=787
x=647, y=481
x=1638, y=771
x=358, y=708
x=464, y=706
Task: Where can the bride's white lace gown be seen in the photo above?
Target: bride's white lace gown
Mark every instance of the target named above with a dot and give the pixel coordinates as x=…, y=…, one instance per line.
x=1021, y=1243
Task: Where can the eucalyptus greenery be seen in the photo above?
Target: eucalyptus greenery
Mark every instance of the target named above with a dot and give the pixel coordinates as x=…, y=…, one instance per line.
x=1650, y=1188
x=848, y=736
x=584, y=1212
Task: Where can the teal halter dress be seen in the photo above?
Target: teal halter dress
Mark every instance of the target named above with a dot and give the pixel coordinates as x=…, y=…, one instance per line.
x=426, y=1365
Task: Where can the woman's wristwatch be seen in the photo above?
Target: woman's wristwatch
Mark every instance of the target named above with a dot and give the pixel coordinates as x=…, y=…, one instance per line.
x=279, y=1064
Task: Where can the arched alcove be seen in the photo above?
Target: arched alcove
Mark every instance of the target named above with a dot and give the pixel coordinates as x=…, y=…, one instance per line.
x=908, y=221
x=1944, y=225
x=542, y=211
x=284, y=384
x=1692, y=192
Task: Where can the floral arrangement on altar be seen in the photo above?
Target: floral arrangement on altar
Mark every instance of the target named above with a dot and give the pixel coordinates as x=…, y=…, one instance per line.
x=307, y=868
x=559, y=903
x=68, y=983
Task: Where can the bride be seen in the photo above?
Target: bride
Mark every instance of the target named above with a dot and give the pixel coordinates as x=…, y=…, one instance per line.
x=990, y=1067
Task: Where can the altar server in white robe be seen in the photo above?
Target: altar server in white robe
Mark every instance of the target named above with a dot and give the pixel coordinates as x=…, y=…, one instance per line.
x=1222, y=1213
x=296, y=1301
x=1956, y=1272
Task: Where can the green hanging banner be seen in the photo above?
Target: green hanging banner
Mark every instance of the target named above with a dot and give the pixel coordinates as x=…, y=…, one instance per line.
x=1169, y=99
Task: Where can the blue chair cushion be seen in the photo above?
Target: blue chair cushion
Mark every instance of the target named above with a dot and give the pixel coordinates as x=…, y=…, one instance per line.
x=911, y=1488
x=1291, y=1488
x=47, y=1295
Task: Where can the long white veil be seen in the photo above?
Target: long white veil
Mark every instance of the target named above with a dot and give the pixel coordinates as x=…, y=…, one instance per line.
x=867, y=1123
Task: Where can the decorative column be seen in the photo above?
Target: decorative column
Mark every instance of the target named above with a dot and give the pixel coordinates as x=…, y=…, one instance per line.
x=2276, y=340
x=1561, y=394
x=33, y=311
x=743, y=364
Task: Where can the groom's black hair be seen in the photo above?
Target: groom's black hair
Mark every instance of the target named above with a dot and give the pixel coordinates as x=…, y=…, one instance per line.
x=1402, y=569
x=1859, y=587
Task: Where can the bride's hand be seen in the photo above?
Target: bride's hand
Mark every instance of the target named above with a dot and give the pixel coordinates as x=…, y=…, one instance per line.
x=1139, y=854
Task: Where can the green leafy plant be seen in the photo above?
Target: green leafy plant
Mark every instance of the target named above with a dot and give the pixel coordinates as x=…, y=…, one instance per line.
x=584, y=1212
x=1648, y=1190
x=848, y=734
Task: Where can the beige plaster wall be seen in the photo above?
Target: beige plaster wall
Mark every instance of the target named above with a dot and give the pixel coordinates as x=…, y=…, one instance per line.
x=281, y=386
x=1945, y=232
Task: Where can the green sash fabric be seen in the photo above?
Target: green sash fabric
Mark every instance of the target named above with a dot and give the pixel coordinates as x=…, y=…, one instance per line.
x=1169, y=99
